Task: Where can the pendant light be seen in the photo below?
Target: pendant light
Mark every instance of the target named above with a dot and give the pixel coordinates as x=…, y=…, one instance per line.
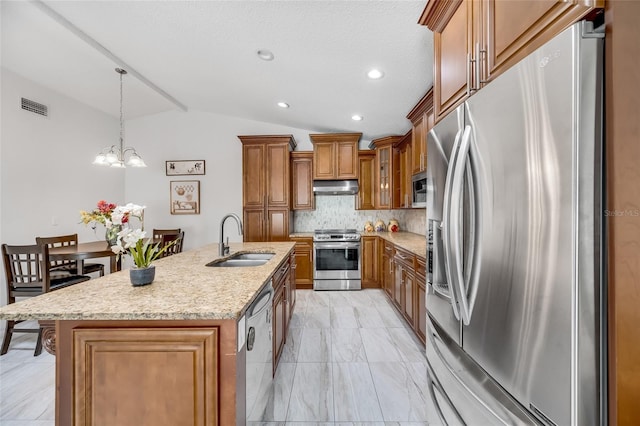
x=114, y=156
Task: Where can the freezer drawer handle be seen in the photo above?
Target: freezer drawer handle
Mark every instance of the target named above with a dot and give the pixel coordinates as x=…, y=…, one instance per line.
x=435, y=340
x=434, y=384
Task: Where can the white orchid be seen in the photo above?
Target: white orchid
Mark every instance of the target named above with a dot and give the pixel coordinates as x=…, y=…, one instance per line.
x=134, y=242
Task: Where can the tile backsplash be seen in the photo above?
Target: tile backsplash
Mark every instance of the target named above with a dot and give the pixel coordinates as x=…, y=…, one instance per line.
x=338, y=212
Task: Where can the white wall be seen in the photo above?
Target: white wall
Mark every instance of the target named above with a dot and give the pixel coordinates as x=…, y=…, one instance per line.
x=46, y=175
x=195, y=135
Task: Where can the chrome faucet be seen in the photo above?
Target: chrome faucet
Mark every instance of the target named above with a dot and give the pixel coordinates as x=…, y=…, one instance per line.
x=224, y=248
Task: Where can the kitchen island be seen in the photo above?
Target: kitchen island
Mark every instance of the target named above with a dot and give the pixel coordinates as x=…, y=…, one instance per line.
x=167, y=353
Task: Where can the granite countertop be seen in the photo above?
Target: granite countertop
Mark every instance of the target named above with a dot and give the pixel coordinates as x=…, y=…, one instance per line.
x=415, y=243
x=184, y=288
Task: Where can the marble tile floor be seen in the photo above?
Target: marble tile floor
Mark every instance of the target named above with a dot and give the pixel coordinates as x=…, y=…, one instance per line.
x=349, y=360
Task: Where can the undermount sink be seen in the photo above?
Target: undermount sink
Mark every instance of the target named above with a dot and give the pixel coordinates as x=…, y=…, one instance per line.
x=242, y=260
x=253, y=256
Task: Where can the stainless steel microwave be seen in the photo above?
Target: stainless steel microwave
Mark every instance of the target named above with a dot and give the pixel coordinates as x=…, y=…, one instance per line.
x=419, y=190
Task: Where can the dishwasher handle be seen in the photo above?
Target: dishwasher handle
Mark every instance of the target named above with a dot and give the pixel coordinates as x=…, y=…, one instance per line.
x=262, y=302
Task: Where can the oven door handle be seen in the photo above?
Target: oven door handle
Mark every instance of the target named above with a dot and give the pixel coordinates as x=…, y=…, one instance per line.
x=328, y=246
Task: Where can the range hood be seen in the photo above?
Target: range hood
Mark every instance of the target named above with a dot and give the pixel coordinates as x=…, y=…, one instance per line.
x=335, y=187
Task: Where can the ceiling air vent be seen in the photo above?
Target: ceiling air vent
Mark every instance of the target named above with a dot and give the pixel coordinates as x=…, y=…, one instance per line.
x=35, y=107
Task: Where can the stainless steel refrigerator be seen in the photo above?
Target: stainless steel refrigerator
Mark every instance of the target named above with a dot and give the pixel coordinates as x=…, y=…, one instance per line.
x=515, y=298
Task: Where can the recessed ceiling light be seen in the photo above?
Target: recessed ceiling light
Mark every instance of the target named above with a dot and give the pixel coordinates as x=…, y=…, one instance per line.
x=265, y=55
x=375, y=74
x=357, y=117
x=283, y=105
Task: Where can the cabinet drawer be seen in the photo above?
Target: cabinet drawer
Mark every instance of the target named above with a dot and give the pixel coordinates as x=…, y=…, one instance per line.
x=280, y=274
x=404, y=257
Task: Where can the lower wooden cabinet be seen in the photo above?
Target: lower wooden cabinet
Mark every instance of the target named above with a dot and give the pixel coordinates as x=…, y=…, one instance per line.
x=291, y=285
x=420, y=320
x=402, y=275
x=387, y=273
x=131, y=373
x=304, y=262
x=404, y=293
x=283, y=304
x=279, y=323
x=369, y=262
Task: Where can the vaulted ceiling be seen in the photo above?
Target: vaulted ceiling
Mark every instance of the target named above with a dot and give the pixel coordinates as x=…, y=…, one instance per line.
x=204, y=55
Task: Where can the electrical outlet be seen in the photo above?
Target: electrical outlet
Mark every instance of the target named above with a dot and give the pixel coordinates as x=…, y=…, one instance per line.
x=54, y=221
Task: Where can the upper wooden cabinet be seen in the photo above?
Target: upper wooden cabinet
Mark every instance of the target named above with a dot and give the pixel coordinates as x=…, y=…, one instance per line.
x=476, y=40
x=266, y=186
x=335, y=155
x=403, y=176
x=422, y=117
x=386, y=163
x=302, y=181
x=367, y=181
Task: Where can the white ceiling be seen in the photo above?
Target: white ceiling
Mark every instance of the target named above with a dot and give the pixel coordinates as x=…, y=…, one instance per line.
x=203, y=53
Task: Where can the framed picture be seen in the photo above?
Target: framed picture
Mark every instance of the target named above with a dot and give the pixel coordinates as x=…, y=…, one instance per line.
x=185, y=196
x=184, y=167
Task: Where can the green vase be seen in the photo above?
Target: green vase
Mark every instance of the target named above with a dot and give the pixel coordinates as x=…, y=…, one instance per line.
x=111, y=234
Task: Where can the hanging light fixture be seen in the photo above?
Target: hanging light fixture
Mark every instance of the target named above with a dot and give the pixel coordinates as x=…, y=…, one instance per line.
x=114, y=156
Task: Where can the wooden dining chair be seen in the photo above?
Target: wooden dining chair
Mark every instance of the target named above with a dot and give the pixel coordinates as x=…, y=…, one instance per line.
x=167, y=239
x=27, y=275
x=70, y=266
x=158, y=233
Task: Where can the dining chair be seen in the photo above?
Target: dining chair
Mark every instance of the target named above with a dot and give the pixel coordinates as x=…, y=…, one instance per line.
x=69, y=265
x=27, y=275
x=176, y=248
x=158, y=233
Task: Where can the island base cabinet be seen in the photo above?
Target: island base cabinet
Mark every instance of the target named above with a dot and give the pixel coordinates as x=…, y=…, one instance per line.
x=148, y=373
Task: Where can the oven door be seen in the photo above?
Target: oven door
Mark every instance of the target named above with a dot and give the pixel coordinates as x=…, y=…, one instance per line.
x=336, y=260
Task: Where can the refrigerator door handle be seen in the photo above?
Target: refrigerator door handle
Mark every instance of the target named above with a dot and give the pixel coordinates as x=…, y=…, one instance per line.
x=466, y=287
x=446, y=227
x=453, y=237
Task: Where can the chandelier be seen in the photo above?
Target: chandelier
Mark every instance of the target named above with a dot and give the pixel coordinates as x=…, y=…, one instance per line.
x=114, y=156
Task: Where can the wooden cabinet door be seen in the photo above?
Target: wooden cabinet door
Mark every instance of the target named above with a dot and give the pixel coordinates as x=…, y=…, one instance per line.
x=253, y=225
x=409, y=284
x=398, y=283
x=452, y=50
x=253, y=185
x=304, y=262
x=347, y=160
x=278, y=323
x=388, y=272
x=291, y=286
x=383, y=181
x=366, y=181
x=324, y=160
x=420, y=321
x=507, y=40
x=370, y=262
x=405, y=176
x=302, y=181
x=277, y=175
x=419, y=145
x=277, y=225
x=115, y=370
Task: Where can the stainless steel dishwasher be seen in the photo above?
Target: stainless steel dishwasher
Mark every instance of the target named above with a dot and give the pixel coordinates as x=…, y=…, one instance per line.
x=259, y=362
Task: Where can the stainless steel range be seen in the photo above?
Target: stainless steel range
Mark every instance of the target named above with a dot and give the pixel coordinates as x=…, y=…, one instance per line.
x=336, y=259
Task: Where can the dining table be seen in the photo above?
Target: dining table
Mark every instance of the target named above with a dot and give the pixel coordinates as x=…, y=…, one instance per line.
x=83, y=251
